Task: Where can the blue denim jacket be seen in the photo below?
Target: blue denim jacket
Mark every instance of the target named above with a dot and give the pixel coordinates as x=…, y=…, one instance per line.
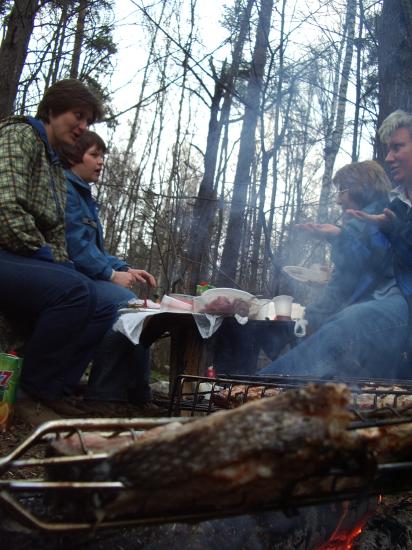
x=362, y=256
x=84, y=233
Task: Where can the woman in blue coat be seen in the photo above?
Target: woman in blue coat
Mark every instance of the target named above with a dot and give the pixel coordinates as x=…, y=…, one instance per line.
x=361, y=320
x=120, y=369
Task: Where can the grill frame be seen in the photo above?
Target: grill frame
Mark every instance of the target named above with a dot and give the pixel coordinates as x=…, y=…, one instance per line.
x=17, y=495
x=189, y=397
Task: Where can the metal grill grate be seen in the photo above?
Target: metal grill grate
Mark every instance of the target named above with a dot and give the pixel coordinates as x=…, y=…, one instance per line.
x=25, y=499
x=197, y=395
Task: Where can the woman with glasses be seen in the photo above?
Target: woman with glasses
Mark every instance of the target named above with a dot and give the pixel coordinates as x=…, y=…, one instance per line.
x=361, y=319
x=360, y=186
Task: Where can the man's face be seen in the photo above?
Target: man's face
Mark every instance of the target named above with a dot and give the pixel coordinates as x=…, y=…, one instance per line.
x=399, y=157
x=68, y=126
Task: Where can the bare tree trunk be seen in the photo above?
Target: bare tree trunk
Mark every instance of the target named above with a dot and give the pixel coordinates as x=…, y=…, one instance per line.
x=355, y=139
x=220, y=212
x=78, y=39
x=59, y=37
x=334, y=140
x=231, y=248
x=394, y=59
x=204, y=210
x=13, y=51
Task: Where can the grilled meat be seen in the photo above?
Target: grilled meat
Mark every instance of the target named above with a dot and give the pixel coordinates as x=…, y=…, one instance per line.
x=251, y=455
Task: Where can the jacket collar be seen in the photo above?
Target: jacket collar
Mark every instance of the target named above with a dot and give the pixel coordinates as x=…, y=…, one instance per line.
x=38, y=125
x=77, y=180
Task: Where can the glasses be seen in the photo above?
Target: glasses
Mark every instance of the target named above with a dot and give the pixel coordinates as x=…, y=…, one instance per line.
x=337, y=194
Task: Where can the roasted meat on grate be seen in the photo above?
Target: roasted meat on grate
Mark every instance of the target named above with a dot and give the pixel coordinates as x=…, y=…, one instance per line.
x=238, y=458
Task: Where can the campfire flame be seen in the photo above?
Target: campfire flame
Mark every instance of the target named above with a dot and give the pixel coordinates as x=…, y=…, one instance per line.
x=342, y=539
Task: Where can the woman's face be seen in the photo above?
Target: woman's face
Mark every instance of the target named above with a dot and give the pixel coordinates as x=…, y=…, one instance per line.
x=68, y=126
x=91, y=166
x=345, y=201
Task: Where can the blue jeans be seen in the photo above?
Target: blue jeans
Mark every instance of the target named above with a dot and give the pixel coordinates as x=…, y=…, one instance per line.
x=111, y=292
x=121, y=369
x=68, y=320
x=362, y=340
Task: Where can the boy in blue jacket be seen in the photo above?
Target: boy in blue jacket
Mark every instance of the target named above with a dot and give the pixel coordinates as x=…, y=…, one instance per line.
x=121, y=370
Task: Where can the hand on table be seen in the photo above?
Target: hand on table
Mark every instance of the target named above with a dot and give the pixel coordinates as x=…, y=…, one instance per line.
x=142, y=276
x=319, y=230
x=123, y=278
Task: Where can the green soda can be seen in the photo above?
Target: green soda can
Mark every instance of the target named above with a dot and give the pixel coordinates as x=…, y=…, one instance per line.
x=10, y=369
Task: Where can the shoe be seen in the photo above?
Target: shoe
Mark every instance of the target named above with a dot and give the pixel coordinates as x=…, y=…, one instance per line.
x=148, y=409
x=34, y=412
x=106, y=409
x=66, y=407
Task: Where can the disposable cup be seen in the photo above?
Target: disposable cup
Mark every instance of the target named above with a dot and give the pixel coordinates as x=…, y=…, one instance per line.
x=283, y=307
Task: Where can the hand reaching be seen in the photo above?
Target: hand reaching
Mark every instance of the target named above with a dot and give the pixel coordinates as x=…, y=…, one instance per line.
x=382, y=220
x=319, y=230
x=128, y=278
x=142, y=276
x=123, y=278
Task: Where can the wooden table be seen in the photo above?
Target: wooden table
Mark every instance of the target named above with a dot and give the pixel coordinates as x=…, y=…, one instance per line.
x=234, y=348
x=189, y=352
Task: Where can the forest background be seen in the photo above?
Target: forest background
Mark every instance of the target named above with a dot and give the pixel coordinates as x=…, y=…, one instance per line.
x=225, y=121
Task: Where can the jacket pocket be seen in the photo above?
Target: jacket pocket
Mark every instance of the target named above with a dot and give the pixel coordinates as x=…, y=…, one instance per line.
x=89, y=221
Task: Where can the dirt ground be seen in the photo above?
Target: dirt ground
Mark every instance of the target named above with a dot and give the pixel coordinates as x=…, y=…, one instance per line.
x=18, y=432
x=14, y=536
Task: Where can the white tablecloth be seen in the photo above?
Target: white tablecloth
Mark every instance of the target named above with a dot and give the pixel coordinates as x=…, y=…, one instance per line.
x=130, y=323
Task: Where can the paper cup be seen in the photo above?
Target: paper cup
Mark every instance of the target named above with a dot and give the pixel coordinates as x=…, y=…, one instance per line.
x=283, y=307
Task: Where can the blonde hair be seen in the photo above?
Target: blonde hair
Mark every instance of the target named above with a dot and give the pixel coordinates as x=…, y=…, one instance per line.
x=394, y=121
x=365, y=181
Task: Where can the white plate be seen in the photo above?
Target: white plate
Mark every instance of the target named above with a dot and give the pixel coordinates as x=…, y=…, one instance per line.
x=231, y=293
x=306, y=275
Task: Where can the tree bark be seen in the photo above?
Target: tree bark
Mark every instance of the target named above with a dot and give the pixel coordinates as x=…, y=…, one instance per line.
x=394, y=60
x=205, y=207
x=78, y=39
x=333, y=141
x=13, y=51
x=247, y=146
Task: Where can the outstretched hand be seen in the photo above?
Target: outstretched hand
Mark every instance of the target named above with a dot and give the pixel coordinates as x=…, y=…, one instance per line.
x=319, y=230
x=382, y=220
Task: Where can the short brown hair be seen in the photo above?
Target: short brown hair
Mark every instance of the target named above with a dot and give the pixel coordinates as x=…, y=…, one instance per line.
x=68, y=94
x=73, y=154
x=365, y=181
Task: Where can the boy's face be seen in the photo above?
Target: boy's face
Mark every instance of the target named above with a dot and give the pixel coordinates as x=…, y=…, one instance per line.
x=399, y=157
x=68, y=126
x=91, y=166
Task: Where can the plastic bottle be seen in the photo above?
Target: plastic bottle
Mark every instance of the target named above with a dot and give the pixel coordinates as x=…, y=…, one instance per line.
x=211, y=372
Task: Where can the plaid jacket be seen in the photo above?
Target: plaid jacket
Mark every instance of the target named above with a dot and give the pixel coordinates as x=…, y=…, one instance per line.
x=32, y=193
